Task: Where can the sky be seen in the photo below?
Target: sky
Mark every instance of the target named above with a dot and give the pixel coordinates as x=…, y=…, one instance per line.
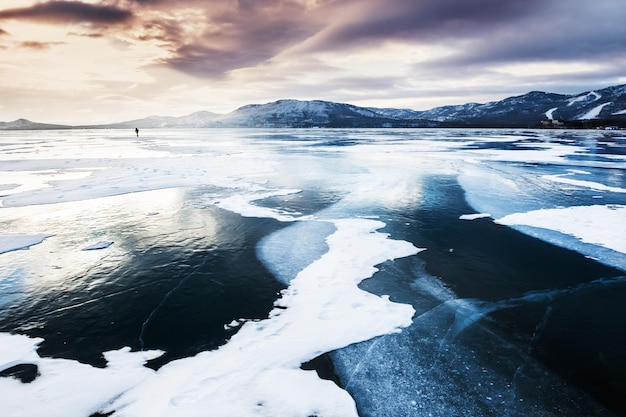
x=99, y=61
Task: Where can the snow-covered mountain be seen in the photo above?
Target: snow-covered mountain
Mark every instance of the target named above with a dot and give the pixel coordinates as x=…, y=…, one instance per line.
x=315, y=113
x=587, y=109
x=197, y=119
x=24, y=124
x=531, y=108
x=528, y=110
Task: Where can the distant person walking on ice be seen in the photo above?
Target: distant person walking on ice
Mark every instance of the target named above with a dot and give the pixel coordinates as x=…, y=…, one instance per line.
x=137, y=131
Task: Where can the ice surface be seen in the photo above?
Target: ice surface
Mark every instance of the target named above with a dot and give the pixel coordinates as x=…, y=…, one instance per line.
x=257, y=372
x=98, y=163
x=502, y=189
x=13, y=242
x=323, y=257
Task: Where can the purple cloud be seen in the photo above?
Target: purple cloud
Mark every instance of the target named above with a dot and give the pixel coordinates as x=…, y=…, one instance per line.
x=69, y=12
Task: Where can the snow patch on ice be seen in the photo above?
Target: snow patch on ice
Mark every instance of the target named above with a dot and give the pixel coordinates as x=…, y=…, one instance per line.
x=579, y=171
x=540, y=152
x=587, y=184
x=99, y=245
x=13, y=242
x=474, y=216
x=66, y=387
x=619, y=112
x=242, y=204
x=603, y=225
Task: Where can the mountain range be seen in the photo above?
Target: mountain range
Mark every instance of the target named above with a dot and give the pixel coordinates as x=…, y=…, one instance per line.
x=602, y=107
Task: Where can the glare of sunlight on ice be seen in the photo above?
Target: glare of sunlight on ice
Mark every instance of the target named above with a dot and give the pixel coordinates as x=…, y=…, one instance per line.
x=77, y=225
x=34, y=180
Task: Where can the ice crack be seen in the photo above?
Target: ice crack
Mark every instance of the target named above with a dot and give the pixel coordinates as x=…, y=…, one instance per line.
x=166, y=297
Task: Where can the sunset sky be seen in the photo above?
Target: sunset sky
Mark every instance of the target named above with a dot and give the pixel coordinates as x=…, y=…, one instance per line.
x=93, y=61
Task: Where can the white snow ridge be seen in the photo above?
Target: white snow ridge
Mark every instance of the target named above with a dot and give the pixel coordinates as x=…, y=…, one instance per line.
x=596, y=96
x=550, y=112
x=595, y=112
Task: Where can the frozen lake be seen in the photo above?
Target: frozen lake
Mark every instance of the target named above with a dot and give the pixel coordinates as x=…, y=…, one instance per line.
x=429, y=272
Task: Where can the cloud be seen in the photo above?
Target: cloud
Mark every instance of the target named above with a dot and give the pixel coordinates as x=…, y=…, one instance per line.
x=87, y=35
x=228, y=35
x=481, y=31
x=370, y=22
x=69, y=12
x=39, y=45
x=211, y=40
x=563, y=32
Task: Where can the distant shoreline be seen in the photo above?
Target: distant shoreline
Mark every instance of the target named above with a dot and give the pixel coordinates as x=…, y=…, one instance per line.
x=596, y=124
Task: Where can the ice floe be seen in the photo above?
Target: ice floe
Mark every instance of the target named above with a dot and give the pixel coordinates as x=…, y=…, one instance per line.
x=99, y=245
